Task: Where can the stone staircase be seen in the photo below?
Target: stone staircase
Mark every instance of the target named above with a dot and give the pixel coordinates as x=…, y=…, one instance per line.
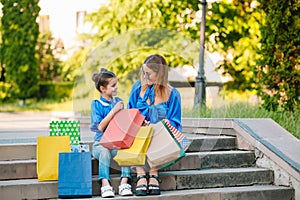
x=213, y=169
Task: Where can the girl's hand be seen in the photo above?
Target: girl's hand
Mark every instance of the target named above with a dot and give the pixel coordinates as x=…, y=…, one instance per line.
x=146, y=123
x=119, y=106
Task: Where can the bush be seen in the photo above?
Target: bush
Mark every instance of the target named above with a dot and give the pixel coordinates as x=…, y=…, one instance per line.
x=4, y=91
x=279, y=72
x=53, y=90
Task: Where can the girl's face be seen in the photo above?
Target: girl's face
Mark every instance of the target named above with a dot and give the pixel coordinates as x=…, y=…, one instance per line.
x=111, y=89
x=149, y=75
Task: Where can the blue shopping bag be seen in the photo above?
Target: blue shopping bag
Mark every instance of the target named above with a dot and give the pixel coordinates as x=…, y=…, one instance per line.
x=75, y=175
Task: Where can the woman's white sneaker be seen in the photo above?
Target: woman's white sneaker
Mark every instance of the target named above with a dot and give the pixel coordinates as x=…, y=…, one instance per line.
x=107, y=191
x=125, y=189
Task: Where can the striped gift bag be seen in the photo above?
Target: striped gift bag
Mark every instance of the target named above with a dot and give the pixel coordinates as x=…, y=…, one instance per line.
x=180, y=137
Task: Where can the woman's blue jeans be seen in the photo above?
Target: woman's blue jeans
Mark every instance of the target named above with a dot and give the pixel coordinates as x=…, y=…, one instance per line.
x=104, y=155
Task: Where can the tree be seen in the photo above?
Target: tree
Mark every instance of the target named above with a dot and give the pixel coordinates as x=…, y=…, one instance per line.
x=49, y=51
x=233, y=31
x=279, y=67
x=110, y=22
x=19, y=38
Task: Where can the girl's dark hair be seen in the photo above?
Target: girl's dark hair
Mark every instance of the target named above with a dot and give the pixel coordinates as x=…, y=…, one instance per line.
x=102, y=78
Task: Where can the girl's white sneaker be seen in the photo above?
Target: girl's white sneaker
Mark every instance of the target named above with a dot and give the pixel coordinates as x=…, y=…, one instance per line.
x=125, y=189
x=107, y=191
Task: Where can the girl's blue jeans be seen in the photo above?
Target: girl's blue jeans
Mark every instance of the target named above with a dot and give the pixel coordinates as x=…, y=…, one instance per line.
x=104, y=155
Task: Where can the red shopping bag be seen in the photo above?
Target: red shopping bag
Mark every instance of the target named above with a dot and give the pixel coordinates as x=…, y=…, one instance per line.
x=122, y=129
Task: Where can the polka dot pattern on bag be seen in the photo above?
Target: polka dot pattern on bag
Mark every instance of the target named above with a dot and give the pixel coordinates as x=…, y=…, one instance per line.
x=66, y=127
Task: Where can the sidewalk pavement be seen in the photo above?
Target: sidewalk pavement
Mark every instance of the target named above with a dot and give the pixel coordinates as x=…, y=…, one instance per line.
x=24, y=127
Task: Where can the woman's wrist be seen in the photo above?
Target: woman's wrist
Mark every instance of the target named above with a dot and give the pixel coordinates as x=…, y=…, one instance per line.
x=99, y=127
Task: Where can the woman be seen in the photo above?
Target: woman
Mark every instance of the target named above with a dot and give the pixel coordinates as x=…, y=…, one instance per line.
x=156, y=100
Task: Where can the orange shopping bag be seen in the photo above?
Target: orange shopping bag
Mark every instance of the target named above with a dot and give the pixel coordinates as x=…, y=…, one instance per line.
x=122, y=129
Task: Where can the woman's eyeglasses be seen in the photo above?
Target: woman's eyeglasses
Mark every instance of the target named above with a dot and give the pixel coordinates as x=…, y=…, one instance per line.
x=146, y=74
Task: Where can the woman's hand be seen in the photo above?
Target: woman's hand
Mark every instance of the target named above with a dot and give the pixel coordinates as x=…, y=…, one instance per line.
x=146, y=123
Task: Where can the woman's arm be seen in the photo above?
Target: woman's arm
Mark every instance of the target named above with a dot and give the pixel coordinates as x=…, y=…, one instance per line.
x=174, y=109
x=134, y=94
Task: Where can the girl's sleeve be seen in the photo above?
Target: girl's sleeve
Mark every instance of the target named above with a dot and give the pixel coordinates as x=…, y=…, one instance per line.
x=96, y=116
x=174, y=111
x=134, y=94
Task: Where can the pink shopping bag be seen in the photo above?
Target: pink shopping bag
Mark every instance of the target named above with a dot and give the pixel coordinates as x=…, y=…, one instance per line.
x=122, y=129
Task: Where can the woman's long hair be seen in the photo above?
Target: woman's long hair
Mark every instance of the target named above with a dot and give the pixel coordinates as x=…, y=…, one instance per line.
x=158, y=64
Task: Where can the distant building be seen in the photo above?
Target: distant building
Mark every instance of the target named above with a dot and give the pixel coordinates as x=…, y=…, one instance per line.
x=65, y=18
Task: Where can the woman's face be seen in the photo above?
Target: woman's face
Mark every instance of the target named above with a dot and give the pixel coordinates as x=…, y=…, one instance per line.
x=149, y=75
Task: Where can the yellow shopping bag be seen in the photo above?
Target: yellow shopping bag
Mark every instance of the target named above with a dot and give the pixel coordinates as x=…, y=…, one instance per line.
x=48, y=149
x=136, y=154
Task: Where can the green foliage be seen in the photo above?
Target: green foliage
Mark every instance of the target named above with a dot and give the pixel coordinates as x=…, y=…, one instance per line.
x=49, y=51
x=279, y=71
x=4, y=91
x=111, y=22
x=19, y=66
x=54, y=90
x=233, y=31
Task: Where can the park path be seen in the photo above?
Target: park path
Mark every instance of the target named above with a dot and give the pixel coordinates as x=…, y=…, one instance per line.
x=24, y=127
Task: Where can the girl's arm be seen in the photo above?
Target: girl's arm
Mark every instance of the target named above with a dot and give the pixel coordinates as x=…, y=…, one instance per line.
x=104, y=123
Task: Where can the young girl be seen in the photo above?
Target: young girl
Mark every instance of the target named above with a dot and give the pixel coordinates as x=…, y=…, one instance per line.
x=102, y=111
x=156, y=100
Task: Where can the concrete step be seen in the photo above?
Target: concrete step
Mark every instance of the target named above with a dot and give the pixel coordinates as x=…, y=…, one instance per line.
x=211, y=142
x=27, y=151
x=208, y=126
x=256, y=192
x=172, y=180
x=215, y=159
x=208, y=131
x=19, y=169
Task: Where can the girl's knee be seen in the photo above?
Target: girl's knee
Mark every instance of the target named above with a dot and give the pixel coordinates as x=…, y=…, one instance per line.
x=101, y=153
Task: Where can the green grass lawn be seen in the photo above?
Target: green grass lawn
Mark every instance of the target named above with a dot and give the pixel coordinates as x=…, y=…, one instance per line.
x=289, y=121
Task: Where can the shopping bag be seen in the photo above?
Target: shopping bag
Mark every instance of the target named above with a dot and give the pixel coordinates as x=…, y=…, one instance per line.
x=180, y=137
x=74, y=175
x=66, y=127
x=164, y=150
x=136, y=154
x=122, y=129
x=48, y=148
x=80, y=147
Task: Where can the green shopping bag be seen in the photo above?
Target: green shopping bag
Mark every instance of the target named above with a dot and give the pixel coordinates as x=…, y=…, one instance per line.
x=66, y=128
